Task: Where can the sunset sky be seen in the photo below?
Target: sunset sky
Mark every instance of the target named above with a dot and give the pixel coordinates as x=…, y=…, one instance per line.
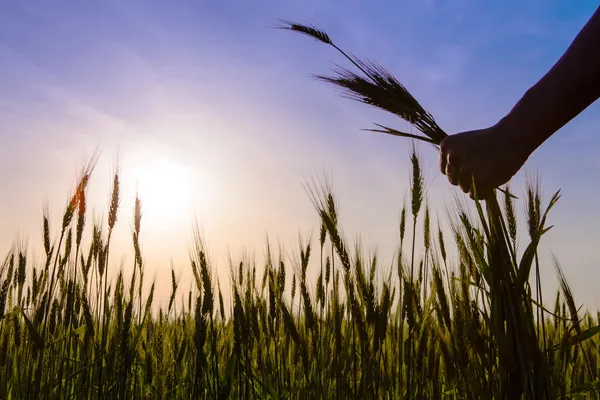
x=213, y=116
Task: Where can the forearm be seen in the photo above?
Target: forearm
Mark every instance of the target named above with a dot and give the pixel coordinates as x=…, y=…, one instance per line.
x=566, y=90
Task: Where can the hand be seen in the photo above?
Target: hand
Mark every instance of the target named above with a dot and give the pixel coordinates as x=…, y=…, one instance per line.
x=489, y=157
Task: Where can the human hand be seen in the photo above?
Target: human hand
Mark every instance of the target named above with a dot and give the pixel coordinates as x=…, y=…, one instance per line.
x=489, y=157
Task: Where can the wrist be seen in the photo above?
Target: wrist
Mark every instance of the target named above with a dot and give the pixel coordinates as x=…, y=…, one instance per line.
x=520, y=133
x=527, y=124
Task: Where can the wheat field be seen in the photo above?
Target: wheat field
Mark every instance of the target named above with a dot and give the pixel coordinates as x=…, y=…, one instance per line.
x=429, y=329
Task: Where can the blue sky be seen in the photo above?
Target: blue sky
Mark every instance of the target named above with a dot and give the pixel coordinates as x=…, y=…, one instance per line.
x=209, y=92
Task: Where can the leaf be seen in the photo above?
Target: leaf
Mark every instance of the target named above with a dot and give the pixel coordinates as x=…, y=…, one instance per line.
x=477, y=251
x=508, y=193
x=268, y=391
x=541, y=307
x=37, y=340
x=394, y=132
x=579, y=338
x=529, y=255
x=138, y=335
x=472, y=283
x=527, y=261
x=593, y=386
x=486, y=229
x=79, y=332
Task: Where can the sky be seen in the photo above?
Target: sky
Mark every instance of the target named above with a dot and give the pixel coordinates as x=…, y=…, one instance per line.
x=211, y=115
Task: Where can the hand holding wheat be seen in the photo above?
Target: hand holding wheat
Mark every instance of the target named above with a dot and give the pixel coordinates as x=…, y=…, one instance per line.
x=492, y=156
x=377, y=87
x=488, y=157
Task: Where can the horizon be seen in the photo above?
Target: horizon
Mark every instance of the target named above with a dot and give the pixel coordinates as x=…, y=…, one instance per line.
x=214, y=118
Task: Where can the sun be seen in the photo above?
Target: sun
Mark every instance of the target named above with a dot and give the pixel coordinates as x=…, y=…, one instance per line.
x=165, y=190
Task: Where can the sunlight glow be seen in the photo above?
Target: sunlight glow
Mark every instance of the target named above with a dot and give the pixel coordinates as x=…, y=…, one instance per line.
x=165, y=189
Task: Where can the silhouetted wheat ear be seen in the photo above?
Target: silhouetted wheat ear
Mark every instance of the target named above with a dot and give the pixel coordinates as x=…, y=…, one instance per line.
x=114, y=203
x=377, y=87
x=308, y=30
x=568, y=294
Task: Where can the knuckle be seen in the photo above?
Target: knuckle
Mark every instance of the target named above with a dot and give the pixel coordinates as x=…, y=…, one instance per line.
x=445, y=143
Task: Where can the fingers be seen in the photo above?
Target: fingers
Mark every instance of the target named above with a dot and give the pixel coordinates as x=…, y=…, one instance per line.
x=443, y=160
x=457, y=174
x=465, y=180
x=453, y=169
x=453, y=174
